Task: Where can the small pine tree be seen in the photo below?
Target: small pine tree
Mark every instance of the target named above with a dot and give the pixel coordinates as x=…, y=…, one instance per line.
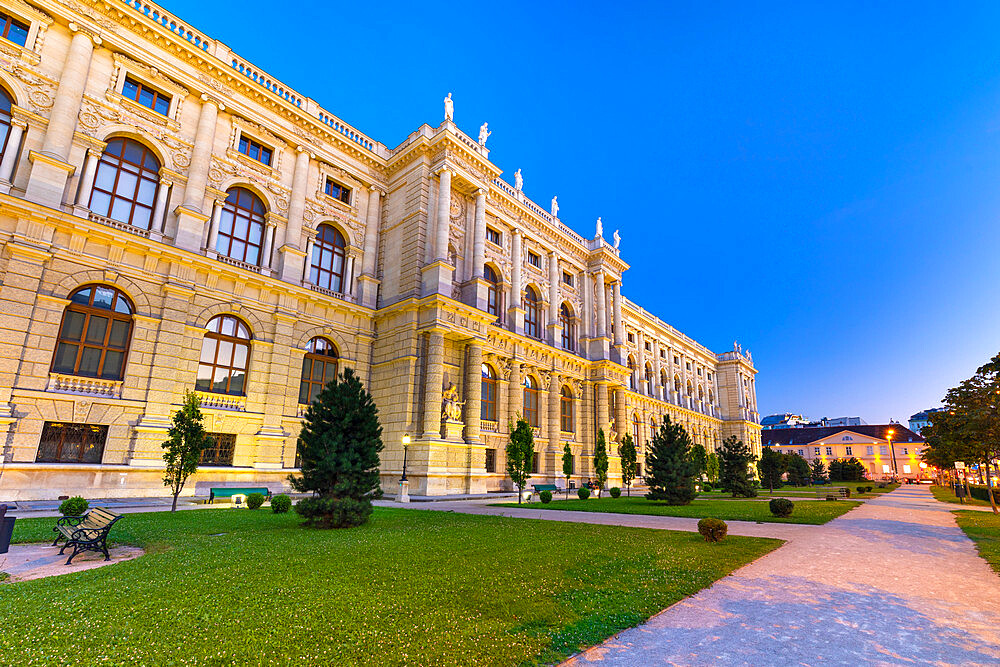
x=818, y=471
x=185, y=442
x=772, y=466
x=629, y=462
x=339, y=447
x=600, y=462
x=712, y=467
x=670, y=472
x=699, y=456
x=567, y=461
x=798, y=470
x=836, y=470
x=735, y=459
x=520, y=455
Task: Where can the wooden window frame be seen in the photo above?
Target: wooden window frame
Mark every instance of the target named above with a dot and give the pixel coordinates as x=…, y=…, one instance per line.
x=118, y=162
x=320, y=274
x=566, y=320
x=531, y=402
x=344, y=196
x=535, y=260
x=245, y=146
x=566, y=421
x=312, y=357
x=235, y=340
x=66, y=430
x=88, y=310
x=238, y=211
x=488, y=395
x=499, y=237
x=532, y=314
x=157, y=95
x=8, y=20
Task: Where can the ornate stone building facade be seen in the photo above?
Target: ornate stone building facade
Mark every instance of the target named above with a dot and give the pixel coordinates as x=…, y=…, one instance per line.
x=174, y=218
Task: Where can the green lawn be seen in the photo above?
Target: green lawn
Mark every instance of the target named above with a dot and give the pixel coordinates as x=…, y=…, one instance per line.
x=810, y=511
x=946, y=495
x=983, y=528
x=410, y=587
x=810, y=491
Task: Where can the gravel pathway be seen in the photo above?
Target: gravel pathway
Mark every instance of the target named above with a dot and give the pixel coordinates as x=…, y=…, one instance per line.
x=894, y=582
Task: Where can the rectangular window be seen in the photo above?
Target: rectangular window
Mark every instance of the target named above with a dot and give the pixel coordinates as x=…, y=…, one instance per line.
x=677, y=359
x=906, y=469
x=870, y=450
x=337, y=191
x=801, y=453
x=491, y=460
x=631, y=338
x=815, y=451
x=849, y=452
x=221, y=451
x=146, y=96
x=534, y=260
x=255, y=151
x=709, y=377
x=905, y=451
x=648, y=347
x=567, y=278
x=687, y=364
x=638, y=471
x=699, y=372
x=64, y=442
x=829, y=451
x=534, y=463
x=493, y=236
x=663, y=354
x=883, y=450
x=13, y=30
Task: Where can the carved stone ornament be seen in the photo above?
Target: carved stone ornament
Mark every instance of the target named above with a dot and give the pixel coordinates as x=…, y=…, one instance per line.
x=458, y=206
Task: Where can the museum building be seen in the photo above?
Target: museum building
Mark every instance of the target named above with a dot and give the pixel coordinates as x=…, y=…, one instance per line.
x=173, y=218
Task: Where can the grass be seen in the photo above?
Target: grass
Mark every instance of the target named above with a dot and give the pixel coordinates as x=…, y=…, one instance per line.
x=946, y=495
x=813, y=511
x=983, y=528
x=410, y=587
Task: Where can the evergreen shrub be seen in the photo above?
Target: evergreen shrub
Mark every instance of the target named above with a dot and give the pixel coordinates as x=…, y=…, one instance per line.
x=615, y=491
x=781, y=507
x=583, y=492
x=281, y=503
x=255, y=500
x=545, y=496
x=713, y=530
x=75, y=506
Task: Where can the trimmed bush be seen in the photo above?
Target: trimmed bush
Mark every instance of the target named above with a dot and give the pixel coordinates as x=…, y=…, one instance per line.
x=707, y=487
x=75, y=506
x=847, y=492
x=781, y=507
x=281, y=503
x=333, y=512
x=615, y=491
x=545, y=496
x=255, y=500
x=583, y=492
x=713, y=530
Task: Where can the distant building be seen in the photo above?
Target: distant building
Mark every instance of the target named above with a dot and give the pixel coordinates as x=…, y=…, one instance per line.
x=922, y=419
x=870, y=444
x=789, y=420
x=840, y=421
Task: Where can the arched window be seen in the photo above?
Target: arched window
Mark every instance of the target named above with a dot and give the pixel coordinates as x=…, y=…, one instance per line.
x=493, y=292
x=636, y=429
x=319, y=367
x=488, y=401
x=95, y=333
x=664, y=384
x=225, y=354
x=5, y=117
x=649, y=380
x=566, y=320
x=531, y=401
x=532, y=313
x=329, y=259
x=566, y=411
x=125, y=184
x=677, y=384
x=690, y=389
x=711, y=397
x=701, y=393
x=631, y=373
x=241, y=227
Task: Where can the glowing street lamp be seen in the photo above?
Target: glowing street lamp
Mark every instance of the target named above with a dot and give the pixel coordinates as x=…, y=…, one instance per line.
x=892, y=452
x=406, y=445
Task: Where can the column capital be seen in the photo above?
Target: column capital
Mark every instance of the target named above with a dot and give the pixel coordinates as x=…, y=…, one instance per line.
x=208, y=99
x=444, y=170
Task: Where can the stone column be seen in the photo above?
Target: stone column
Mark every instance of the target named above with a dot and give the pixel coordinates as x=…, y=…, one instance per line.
x=515, y=393
x=369, y=282
x=515, y=310
x=479, y=238
x=50, y=169
x=213, y=231
x=190, y=218
x=656, y=371
x=602, y=311
x=602, y=409
x=290, y=257
x=160, y=206
x=87, y=180
x=307, y=263
x=473, y=391
x=265, y=256
x=621, y=419
x=10, y=154
x=443, y=215
x=433, y=386
x=555, y=405
x=587, y=316
x=555, y=326
x=617, y=303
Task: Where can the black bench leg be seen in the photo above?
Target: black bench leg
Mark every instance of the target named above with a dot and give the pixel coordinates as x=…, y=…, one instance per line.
x=55, y=541
x=104, y=548
x=76, y=550
x=65, y=544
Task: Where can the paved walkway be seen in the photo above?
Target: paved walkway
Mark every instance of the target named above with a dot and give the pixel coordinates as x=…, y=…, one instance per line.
x=34, y=561
x=894, y=581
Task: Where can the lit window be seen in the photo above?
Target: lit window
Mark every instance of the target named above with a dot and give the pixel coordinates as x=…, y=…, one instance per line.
x=567, y=278
x=534, y=260
x=906, y=469
x=146, y=96
x=493, y=236
x=255, y=151
x=337, y=191
x=95, y=334
x=829, y=451
x=13, y=30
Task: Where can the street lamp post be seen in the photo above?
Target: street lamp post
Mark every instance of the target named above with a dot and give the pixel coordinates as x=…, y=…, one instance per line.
x=404, y=484
x=892, y=453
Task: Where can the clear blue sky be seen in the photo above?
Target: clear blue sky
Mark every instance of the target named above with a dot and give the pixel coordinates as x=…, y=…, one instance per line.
x=819, y=182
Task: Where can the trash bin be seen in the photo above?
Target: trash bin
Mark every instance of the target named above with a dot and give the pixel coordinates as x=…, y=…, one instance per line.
x=6, y=529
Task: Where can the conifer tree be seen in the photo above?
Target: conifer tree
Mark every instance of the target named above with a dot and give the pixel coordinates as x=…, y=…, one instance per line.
x=818, y=471
x=670, y=472
x=628, y=457
x=186, y=440
x=567, y=460
x=798, y=470
x=712, y=467
x=520, y=455
x=699, y=456
x=836, y=470
x=339, y=447
x=600, y=462
x=772, y=466
x=735, y=459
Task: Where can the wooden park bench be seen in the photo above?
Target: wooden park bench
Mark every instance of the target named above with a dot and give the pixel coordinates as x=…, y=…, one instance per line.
x=227, y=492
x=831, y=492
x=86, y=533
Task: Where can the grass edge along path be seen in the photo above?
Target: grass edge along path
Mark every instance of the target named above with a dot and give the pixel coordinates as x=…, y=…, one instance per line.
x=814, y=512
x=410, y=587
x=983, y=528
x=947, y=495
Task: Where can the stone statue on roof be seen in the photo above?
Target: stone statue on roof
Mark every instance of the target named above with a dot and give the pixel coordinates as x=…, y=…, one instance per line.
x=484, y=134
x=518, y=180
x=449, y=108
x=555, y=207
x=600, y=229
x=618, y=239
